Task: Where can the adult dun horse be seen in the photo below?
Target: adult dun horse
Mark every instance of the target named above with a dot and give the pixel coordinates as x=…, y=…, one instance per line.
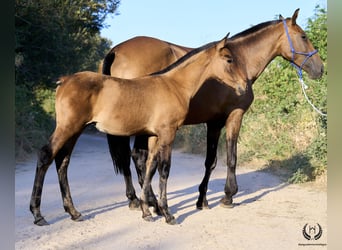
x=256, y=47
x=155, y=105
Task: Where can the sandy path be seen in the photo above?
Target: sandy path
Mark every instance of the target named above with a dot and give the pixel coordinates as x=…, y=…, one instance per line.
x=269, y=214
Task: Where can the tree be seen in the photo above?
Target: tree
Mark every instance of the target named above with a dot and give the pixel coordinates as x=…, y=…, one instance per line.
x=58, y=37
x=52, y=38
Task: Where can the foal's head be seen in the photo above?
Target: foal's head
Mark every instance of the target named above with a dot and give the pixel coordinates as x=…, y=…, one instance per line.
x=227, y=68
x=297, y=48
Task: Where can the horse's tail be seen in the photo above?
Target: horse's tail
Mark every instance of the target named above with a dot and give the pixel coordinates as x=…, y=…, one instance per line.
x=107, y=62
x=119, y=147
x=120, y=152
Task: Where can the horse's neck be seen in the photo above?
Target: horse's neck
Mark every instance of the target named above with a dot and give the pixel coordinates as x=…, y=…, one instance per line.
x=258, y=50
x=188, y=77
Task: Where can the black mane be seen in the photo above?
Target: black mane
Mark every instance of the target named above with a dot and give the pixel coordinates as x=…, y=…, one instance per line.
x=254, y=29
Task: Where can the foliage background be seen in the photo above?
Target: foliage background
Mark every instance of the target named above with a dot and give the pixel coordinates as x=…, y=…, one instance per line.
x=54, y=38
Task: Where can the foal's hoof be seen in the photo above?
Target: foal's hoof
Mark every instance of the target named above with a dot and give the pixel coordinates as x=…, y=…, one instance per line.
x=41, y=222
x=78, y=218
x=148, y=218
x=171, y=221
x=201, y=206
x=134, y=205
x=226, y=203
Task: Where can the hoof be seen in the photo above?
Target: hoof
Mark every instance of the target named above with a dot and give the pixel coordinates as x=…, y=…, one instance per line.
x=134, y=205
x=202, y=206
x=148, y=218
x=226, y=203
x=172, y=221
x=41, y=222
x=78, y=218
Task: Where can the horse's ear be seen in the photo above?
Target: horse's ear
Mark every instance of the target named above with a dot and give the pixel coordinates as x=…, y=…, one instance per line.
x=226, y=38
x=281, y=17
x=294, y=16
x=223, y=42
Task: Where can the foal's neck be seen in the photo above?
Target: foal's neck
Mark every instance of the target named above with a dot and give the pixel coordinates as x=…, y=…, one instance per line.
x=189, y=76
x=258, y=49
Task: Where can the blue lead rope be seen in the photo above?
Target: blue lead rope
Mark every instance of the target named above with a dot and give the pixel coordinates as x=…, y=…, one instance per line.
x=300, y=68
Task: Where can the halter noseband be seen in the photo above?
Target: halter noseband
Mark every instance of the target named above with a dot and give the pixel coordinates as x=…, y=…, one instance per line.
x=307, y=54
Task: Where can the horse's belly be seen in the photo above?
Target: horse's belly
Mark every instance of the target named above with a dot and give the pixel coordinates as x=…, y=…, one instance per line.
x=202, y=114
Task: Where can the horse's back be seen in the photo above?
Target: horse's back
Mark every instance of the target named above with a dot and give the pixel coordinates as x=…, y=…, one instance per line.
x=142, y=56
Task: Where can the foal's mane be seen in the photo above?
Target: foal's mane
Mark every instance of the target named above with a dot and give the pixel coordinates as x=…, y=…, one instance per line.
x=185, y=57
x=254, y=29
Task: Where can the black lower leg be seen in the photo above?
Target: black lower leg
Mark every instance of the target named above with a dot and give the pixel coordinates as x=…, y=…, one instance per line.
x=139, y=156
x=213, y=134
x=62, y=160
x=231, y=187
x=43, y=163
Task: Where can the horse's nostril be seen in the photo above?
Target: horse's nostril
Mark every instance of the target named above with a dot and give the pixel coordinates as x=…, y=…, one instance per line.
x=241, y=90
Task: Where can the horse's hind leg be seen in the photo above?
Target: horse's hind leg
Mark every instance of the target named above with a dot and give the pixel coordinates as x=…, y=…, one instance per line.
x=62, y=160
x=213, y=134
x=120, y=152
x=43, y=163
x=45, y=157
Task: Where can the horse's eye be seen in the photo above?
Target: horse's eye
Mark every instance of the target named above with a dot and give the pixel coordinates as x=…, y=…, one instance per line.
x=230, y=60
x=304, y=37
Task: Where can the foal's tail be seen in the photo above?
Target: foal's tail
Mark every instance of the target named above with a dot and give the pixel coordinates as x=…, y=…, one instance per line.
x=107, y=62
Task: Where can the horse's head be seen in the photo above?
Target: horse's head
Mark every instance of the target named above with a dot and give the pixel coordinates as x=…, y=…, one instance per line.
x=227, y=67
x=297, y=48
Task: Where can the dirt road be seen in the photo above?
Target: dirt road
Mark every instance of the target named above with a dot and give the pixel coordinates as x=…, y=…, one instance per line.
x=268, y=213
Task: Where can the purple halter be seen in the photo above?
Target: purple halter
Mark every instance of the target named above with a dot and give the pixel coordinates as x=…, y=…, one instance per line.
x=307, y=54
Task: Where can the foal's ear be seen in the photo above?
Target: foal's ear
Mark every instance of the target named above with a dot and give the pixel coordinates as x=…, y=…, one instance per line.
x=223, y=42
x=294, y=16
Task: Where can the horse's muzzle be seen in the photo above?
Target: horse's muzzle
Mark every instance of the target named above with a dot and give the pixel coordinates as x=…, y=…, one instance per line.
x=314, y=72
x=241, y=90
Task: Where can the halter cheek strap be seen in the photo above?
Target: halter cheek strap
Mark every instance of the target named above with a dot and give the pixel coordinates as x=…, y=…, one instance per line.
x=300, y=68
x=293, y=51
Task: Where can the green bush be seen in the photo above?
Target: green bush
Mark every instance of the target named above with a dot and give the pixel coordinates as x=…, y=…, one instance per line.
x=33, y=124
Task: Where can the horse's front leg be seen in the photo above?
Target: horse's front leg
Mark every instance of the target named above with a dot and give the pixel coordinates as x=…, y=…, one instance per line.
x=139, y=156
x=151, y=167
x=213, y=134
x=164, y=171
x=62, y=160
x=120, y=152
x=233, y=124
